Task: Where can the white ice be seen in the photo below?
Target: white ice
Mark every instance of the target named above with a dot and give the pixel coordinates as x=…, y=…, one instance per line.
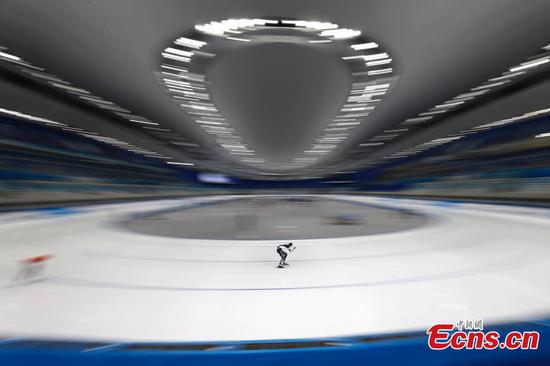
x=106, y=283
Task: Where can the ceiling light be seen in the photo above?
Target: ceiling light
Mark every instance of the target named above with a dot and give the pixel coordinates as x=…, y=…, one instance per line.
x=188, y=42
x=376, y=87
x=178, y=52
x=176, y=58
x=376, y=56
x=321, y=152
x=528, y=65
x=9, y=56
x=70, y=88
x=379, y=62
x=371, y=144
x=469, y=96
x=156, y=129
x=45, y=76
x=178, y=163
x=352, y=57
x=380, y=72
x=397, y=130
x=432, y=112
x=447, y=105
x=341, y=33
x=320, y=25
x=347, y=123
x=364, y=46
x=209, y=122
x=253, y=160
x=94, y=99
x=320, y=41
x=238, y=39
x=488, y=86
x=418, y=119
x=144, y=122
x=507, y=76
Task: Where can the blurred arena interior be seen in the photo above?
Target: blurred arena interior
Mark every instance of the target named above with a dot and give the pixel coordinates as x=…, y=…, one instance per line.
x=154, y=154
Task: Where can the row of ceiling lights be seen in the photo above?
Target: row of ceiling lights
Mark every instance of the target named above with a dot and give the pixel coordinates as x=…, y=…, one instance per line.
x=228, y=27
x=372, y=80
x=183, y=73
x=40, y=75
x=361, y=101
x=471, y=131
x=513, y=74
x=80, y=131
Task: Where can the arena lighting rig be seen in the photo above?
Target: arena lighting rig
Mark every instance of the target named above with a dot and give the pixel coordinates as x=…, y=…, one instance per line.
x=186, y=62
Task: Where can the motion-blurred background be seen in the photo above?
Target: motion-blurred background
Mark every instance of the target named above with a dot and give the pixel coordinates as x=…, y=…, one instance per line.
x=91, y=106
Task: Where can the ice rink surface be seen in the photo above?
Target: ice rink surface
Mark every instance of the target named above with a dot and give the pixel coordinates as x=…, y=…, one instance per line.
x=106, y=282
x=277, y=219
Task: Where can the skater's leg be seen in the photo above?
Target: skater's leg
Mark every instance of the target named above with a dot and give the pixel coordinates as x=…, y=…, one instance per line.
x=282, y=254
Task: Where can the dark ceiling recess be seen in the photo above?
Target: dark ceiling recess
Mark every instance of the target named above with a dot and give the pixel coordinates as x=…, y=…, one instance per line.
x=279, y=96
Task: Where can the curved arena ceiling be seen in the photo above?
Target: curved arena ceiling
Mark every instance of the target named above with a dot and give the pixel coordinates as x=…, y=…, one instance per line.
x=269, y=89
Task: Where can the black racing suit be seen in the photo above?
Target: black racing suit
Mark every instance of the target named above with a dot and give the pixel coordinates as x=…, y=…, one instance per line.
x=283, y=251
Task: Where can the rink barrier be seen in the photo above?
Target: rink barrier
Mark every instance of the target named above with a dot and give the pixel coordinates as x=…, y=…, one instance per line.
x=408, y=348
x=497, y=208
x=30, y=215
x=183, y=206
x=383, y=202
